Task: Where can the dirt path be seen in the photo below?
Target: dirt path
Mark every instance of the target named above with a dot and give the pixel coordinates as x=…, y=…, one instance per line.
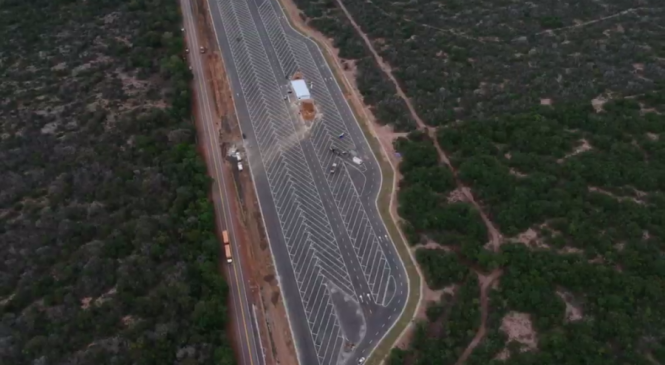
x=584, y=24
x=495, y=235
x=485, y=285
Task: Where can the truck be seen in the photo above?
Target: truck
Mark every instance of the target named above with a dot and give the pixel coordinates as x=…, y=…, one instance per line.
x=227, y=253
x=357, y=161
x=227, y=246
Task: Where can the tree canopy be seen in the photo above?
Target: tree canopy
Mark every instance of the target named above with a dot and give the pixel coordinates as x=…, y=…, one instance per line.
x=108, y=249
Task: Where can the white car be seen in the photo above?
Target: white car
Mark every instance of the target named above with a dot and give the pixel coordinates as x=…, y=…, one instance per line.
x=239, y=166
x=333, y=168
x=238, y=157
x=361, y=360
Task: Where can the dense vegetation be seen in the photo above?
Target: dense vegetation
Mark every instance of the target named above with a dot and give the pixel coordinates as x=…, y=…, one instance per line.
x=108, y=252
x=553, y=114
x=460, y=59
x=597, y=219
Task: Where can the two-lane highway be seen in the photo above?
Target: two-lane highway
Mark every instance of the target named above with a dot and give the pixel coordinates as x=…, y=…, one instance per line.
x=251, y=352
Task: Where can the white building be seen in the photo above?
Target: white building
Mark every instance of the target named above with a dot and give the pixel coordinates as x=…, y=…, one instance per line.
x=300, y=89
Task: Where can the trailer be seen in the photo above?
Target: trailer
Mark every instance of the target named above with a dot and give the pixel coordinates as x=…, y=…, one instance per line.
x=227, y=252
x=225, y=237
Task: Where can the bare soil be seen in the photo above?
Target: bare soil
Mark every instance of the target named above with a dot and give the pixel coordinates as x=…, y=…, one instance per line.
x=531, y=238
x=518, y=327
x=456, y=196
x=430, y=295
x=431, y=245
x=573, y=309
x=598, y=103
x=582, y=147
x=307, y=110
x=275, y=334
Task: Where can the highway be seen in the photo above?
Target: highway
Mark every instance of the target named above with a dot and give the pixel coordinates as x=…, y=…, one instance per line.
x=341, y=277
x=248, y=338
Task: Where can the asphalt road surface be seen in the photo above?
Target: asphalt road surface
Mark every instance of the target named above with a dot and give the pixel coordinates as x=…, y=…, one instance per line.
x=245, y=323
x=341, y=277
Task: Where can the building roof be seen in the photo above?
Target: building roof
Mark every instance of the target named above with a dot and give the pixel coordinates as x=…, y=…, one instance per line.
x=300, y=88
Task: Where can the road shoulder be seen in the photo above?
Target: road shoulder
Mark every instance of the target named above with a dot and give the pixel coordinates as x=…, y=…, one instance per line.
x=263, y=291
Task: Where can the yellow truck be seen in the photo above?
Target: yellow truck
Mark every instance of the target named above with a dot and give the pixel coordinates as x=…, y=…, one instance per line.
x=227, y=249
x=227, y=246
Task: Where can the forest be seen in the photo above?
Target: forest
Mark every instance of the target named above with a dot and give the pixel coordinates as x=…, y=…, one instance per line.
x=551, y=115
x=583, y=227
x=108, y=251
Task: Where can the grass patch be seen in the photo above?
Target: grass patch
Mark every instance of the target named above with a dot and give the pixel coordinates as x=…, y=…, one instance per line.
x=383, y=349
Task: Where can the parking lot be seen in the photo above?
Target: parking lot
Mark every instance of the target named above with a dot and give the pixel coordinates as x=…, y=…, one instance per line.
x=321, y=234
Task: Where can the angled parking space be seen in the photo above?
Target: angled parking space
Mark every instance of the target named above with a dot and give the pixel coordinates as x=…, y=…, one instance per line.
x=323, y=233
